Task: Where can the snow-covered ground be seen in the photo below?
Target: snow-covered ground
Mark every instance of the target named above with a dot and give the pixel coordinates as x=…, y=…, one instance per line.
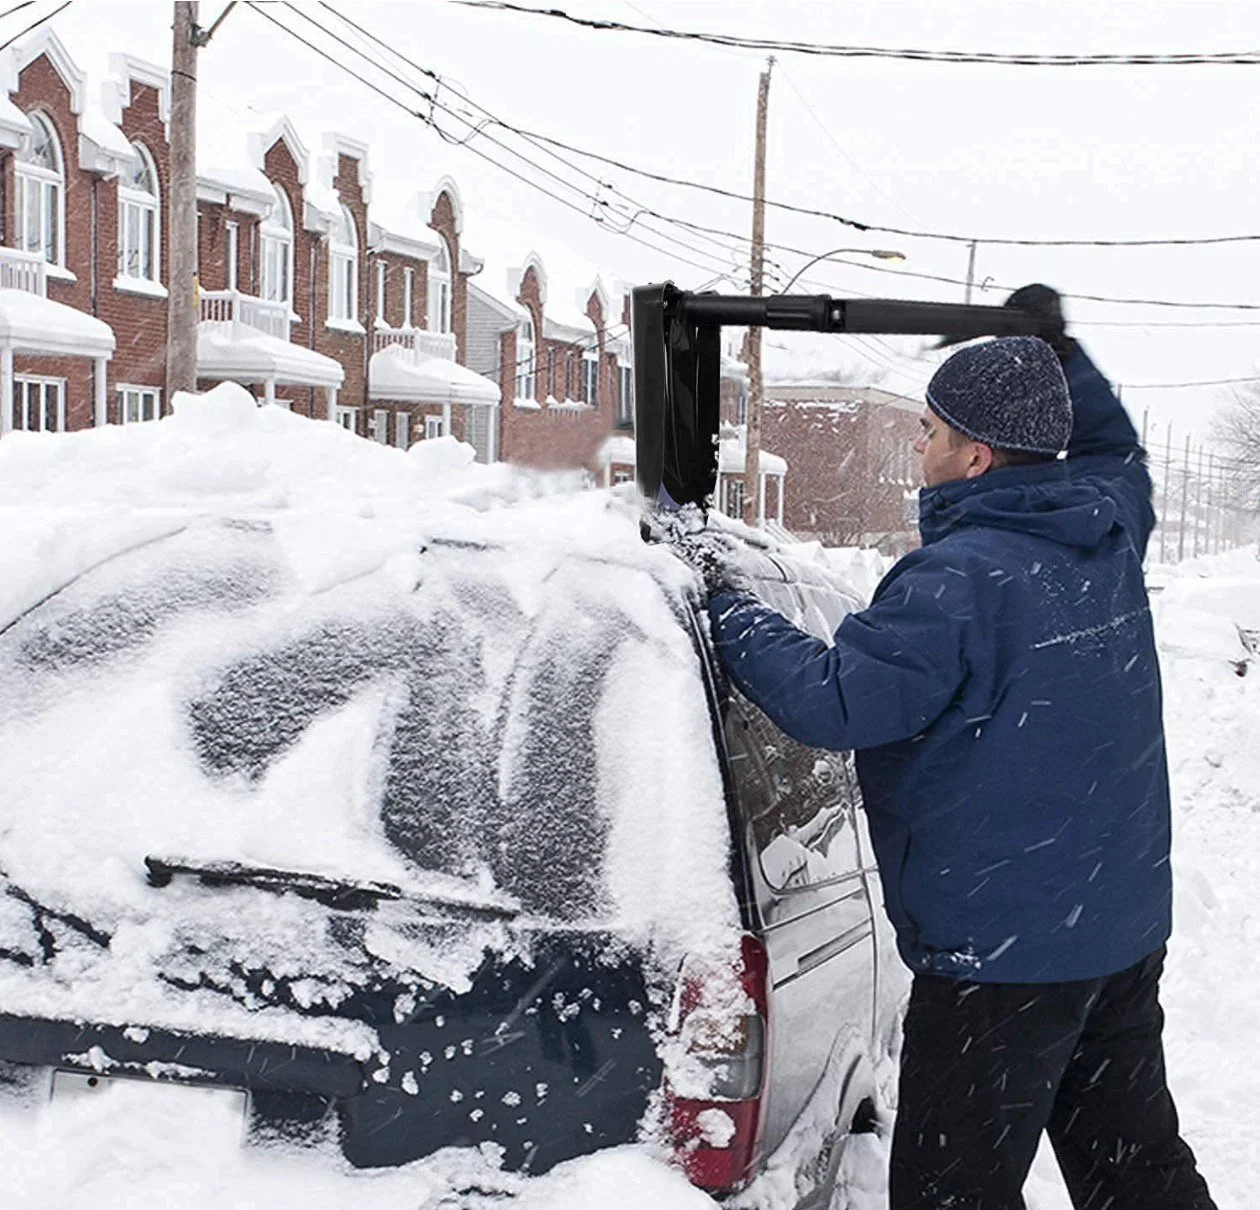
x=349, y=509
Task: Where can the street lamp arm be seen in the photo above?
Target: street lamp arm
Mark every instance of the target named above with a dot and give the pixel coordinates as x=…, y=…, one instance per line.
x=877, y=253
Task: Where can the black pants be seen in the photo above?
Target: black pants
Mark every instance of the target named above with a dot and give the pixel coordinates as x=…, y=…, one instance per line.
x=986, y=1067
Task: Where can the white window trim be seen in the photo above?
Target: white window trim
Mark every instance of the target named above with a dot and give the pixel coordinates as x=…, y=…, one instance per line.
x=232, y=249
x=527, y=362
x=341, y=415
x=590, y=377
x=278, y=234
x=43, y=381
x=138, y=285
x=341, y=256
x=433, y=428
x=625, y=397
x=378, y=426
x=402, y=430
x=44, y=176
x=440, y=290
x=382, y=274
x=146, y=203
x=121, y=390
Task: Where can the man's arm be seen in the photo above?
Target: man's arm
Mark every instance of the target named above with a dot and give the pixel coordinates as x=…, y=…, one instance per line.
x=893, y=670
x=1105, y=448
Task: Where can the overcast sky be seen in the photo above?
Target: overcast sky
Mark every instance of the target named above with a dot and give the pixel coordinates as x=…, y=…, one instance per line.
x=986, y=151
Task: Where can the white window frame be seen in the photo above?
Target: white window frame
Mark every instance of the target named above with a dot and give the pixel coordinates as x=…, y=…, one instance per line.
x=22, y=386
x=378, y=426
x=140, y=226
x=348, y=418
x=440, y=289
x=402, y=430
x=139, y=394
x=527, y=359
x=626, y=400
x=276, y=253
x=433, y=427
x=46, y=188
x=381, y=276
x=590, y=377
x=343, y=271
x=409, y=290
x=233, y=242
x=733, y=497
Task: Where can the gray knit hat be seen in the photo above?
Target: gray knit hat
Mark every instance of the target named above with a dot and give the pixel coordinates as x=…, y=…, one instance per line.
x=1009, y=393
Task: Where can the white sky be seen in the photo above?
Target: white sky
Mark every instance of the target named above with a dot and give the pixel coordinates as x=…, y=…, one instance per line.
x=1117, y=152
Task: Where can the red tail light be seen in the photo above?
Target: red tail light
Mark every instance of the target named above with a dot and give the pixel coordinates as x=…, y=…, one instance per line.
x=717, y=1066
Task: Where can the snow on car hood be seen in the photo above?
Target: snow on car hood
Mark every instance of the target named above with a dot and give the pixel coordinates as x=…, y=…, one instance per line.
x=239, y=635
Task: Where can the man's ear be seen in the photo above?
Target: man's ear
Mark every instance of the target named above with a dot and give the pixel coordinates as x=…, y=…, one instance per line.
x=979, y=459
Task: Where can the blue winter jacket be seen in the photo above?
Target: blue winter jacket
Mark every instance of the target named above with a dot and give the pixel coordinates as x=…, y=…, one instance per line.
x=1002, y=692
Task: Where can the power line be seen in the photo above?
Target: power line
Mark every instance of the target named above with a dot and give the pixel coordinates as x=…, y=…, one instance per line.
x=1177, y=386
x=34, y=24
x=428, y=121
x=832, y=50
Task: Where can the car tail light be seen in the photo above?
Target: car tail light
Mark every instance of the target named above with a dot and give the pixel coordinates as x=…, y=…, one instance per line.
x=717, y=1065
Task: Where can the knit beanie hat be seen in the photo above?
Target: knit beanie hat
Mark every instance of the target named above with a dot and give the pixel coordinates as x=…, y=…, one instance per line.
x=1009, y=393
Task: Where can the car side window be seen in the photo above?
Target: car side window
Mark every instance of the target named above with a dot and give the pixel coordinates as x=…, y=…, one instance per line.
x=798, y=803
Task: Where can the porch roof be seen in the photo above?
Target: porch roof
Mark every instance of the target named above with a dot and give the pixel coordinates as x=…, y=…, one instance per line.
x=30, y=323
x=243, y=355
x=393, y=374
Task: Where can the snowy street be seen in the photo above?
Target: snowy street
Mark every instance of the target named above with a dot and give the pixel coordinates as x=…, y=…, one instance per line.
x=140, y=1146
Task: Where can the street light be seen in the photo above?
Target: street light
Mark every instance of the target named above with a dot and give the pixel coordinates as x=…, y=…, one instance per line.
x=877, y=253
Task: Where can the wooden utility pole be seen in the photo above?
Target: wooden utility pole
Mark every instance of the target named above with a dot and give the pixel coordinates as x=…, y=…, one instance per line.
x=756, y=386
x=181, y=334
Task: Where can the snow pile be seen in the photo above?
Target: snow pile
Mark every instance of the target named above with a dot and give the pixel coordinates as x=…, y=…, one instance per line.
x=240, y=635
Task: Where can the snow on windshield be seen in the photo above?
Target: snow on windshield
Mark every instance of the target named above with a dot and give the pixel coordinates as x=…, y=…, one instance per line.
x=239, y=635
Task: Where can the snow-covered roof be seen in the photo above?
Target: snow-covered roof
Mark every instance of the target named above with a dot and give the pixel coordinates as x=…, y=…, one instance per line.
x=14, y=124
x=393, y=374
x=617, y=448
x=732, y=453
x=30, y=323
x=224, y=353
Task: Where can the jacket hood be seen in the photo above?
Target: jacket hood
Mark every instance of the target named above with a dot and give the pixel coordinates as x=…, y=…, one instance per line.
x=1039, y=500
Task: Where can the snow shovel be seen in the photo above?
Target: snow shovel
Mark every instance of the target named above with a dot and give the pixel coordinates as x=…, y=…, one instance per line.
x=677, y=364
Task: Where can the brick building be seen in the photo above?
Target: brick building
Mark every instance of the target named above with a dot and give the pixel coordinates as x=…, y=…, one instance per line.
x=854, y=475
x=318, y=298
x=305, y=296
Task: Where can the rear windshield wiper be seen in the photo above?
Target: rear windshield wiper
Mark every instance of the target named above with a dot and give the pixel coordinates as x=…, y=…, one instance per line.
x=342, y=894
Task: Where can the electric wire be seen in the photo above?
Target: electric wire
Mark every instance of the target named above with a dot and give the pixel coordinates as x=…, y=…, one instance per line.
x=34, y=24
x=832, y=50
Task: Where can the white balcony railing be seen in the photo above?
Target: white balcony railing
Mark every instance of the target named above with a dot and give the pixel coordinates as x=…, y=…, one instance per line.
x=23, y=271
x=233, y=309
x=420, y=344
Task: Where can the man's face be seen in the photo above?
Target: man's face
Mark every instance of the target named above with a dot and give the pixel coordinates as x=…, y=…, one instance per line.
x=947, y=455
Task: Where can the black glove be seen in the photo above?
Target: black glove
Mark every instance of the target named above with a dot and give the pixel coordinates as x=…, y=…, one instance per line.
x=1046, y=304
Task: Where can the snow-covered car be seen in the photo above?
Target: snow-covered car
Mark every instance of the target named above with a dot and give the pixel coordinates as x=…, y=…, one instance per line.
x=466, y=847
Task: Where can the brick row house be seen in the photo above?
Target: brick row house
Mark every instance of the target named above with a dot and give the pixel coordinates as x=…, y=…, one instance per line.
x=317, y=299
x=303, y=297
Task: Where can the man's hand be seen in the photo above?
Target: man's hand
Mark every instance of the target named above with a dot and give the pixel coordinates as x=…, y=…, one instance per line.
x=714, y=557
x=1046, y=304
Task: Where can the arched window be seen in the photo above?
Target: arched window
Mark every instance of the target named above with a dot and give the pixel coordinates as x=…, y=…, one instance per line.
x=343, y=269
x=277, y=250
x=41, y=192
x=526, y=359
x=440, y=289
x=139, y=231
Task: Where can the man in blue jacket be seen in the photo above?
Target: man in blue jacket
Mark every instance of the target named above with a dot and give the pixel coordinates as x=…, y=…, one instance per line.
x=1002, y=694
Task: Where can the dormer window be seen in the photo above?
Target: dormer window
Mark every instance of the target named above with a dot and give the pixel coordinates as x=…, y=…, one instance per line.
x=440, y=290
x=277, y=251
x=41, y=193
x=139, y=231
x=343, y=269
